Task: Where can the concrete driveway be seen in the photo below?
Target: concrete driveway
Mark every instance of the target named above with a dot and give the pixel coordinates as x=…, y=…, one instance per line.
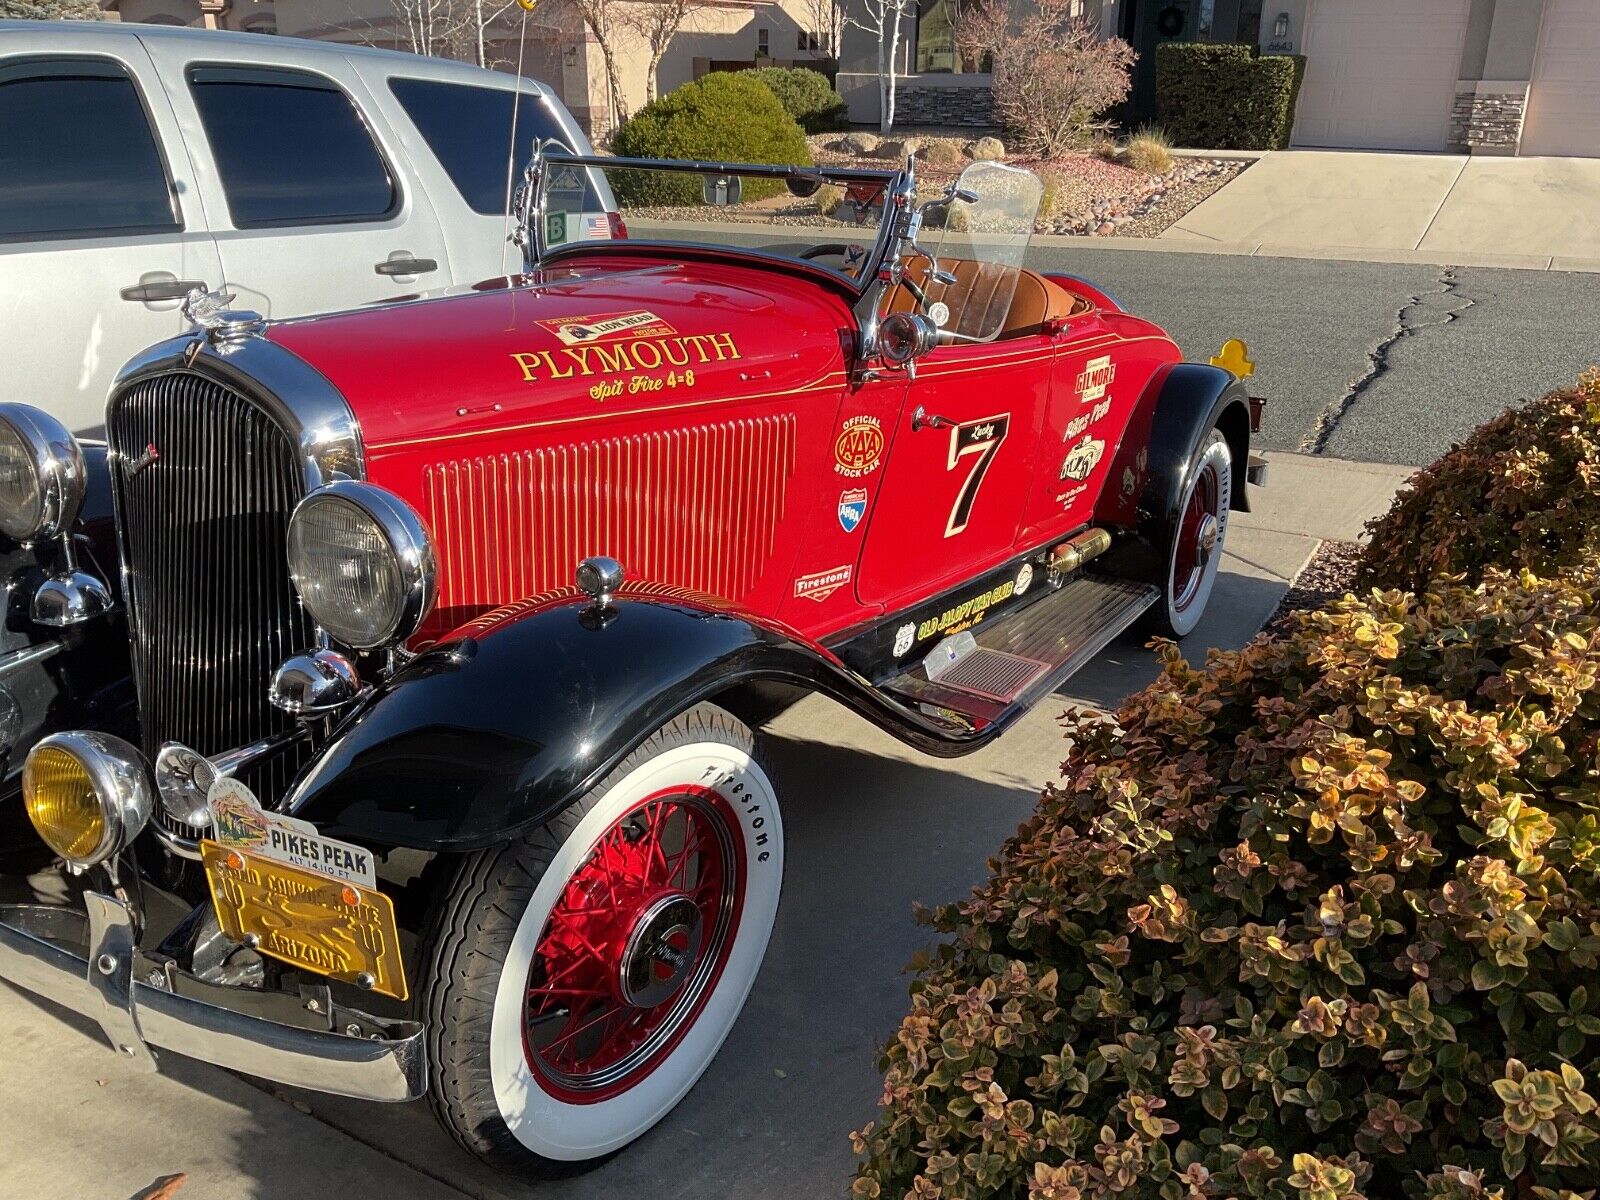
x=873, y=828
x=1542, y=213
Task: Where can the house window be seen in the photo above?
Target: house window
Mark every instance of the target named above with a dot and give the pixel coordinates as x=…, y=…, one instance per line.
x=936, y=43
x=800, y=40
x=763, y=43
x=1250, y=22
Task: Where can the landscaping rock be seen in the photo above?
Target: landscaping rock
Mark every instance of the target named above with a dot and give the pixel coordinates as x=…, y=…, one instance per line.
x=856, y=143
x=899, y=148
x=985, y=149
x=940, y=154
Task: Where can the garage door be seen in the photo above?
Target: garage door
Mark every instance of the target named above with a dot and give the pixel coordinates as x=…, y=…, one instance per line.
x=1564, y=101
x=1380, y=74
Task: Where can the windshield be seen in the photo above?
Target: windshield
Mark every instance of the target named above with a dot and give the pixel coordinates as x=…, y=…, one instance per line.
x=980, y=236
x=831, y=218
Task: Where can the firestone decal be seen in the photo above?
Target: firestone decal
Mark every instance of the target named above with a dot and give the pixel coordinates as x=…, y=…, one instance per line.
x=1082, y=459
x=1096, y=379
x=820, y=585
x=859, y=447
x=966, y=614
x=852, y=507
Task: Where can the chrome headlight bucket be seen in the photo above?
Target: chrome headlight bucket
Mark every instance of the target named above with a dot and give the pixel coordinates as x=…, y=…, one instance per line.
x=363, y=564
x=43, y=478
x=87, y=794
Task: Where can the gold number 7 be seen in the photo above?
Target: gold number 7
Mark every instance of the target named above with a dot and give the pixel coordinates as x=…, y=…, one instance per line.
x=981, y=439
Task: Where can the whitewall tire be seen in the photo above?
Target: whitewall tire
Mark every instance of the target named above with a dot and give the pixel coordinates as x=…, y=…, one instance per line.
x=1195, y=552
x=582, y=978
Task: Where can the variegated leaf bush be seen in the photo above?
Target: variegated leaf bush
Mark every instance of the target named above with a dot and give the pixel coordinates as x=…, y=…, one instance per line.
x=1318, y=921
x=1522, y=491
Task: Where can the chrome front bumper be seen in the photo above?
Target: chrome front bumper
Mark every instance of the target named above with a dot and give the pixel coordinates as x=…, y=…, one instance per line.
x=45, y=950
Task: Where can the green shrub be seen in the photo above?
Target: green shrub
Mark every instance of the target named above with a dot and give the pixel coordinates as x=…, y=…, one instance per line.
x=1319, y=921
x=727, y=116
x=806, y=95
x=1221, y=96
x=1522, y=491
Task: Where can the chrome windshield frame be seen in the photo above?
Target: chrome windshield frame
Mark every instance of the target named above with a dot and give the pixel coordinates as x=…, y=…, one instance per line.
x=880, y=272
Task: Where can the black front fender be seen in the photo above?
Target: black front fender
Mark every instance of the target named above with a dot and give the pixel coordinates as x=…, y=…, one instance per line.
x=486, y=736
x=1181, y=405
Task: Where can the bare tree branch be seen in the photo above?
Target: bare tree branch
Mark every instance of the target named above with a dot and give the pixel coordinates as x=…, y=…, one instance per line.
x=656, y=23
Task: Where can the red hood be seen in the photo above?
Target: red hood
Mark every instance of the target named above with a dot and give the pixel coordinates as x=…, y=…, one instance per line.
x=616, y=336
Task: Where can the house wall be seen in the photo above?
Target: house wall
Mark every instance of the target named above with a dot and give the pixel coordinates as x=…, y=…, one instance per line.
x=566, y=56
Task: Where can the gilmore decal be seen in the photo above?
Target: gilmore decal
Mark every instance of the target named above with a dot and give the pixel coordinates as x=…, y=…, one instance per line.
x=1096, y=379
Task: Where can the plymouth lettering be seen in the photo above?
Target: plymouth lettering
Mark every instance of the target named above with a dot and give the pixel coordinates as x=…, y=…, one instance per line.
x=627, y=358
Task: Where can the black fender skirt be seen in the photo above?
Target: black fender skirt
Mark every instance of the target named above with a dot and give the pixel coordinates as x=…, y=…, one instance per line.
x=483, y=737
x=1139, y=502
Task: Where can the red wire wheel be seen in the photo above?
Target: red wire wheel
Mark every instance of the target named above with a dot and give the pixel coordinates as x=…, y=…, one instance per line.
x=634, y=945
x=1199, y=537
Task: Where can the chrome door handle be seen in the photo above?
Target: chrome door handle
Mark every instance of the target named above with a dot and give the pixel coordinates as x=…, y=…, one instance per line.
x=162, y=289
x=923, y=419
x=405, y=265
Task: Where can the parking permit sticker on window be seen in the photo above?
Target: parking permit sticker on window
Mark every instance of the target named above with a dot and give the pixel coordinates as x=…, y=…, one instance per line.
x=237, y=819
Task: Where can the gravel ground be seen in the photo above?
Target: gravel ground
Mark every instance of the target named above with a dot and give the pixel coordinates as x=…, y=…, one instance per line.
x=1171, y=207
x=1084, y=194
x=1330, y=574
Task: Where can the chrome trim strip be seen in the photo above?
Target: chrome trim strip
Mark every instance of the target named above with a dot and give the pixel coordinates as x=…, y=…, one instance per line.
x=28, y=654
x=383, y=1069
x=293, y=393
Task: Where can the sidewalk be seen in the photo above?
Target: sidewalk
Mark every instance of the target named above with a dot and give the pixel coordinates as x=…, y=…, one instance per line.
x=1538, y=213
x=872, y=828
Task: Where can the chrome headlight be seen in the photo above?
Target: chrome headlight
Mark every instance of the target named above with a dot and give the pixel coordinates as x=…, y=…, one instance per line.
x=42, y=474
x=362, y=562
x=88, y=795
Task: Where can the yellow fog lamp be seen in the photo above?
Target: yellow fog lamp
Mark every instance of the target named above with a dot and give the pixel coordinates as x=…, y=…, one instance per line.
x=87, y=794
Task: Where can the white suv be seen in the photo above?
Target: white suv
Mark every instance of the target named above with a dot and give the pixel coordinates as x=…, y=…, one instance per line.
x=138, y=162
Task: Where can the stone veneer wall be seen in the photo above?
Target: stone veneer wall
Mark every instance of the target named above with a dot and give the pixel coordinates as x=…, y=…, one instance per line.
x=1487, y=118
x=962, y=106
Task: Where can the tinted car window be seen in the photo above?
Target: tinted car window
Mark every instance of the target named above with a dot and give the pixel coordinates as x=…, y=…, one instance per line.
x=291, y=148
x=77, y=155
x=469, y=130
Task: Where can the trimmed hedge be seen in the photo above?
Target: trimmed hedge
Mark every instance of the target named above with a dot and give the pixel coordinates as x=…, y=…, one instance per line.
x=727, y=116
x=1222, y=96
x=806, y=95
x=1522, y=491
x=1320, y=921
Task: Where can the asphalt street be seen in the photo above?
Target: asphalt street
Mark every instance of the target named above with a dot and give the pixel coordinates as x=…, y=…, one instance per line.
x=1374, y=362
x=1369, y=361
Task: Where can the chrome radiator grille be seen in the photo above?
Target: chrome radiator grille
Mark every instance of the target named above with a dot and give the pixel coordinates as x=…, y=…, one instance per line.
x=205, y=483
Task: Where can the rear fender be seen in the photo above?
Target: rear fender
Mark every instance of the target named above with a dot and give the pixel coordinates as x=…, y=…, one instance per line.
x=499, y=730
x=1144, y=487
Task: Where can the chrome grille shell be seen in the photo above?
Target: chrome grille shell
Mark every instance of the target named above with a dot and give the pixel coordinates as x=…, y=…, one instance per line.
x=241, y=433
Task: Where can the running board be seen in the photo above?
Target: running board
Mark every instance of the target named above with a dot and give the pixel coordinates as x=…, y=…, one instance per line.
x=1021, y=658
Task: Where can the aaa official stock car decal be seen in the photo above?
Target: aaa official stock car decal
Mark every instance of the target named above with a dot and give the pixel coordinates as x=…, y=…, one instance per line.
x=858, y=449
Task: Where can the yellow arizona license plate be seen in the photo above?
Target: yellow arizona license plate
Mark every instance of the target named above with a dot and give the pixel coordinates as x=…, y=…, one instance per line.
x=323, y=925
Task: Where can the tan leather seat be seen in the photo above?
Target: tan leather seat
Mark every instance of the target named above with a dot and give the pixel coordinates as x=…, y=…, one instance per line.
x=980, y=288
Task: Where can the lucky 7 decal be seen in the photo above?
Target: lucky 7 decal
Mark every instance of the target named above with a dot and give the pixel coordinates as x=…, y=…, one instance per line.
x=980, y=442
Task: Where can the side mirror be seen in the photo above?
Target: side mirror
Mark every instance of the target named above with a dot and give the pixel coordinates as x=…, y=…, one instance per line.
x=722, y=190
x=904, y=337
x=803, y=186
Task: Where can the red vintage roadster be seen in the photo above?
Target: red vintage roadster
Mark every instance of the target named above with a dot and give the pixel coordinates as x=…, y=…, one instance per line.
x=457, y=614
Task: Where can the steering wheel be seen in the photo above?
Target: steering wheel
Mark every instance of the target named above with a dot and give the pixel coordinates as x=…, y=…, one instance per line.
x=838, y=248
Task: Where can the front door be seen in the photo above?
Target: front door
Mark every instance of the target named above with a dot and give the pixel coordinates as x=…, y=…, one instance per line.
x=101, y=233
x=960, y=462
x=312, y=201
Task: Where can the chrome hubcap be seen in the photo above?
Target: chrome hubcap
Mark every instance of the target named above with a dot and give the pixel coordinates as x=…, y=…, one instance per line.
x=661, y=952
